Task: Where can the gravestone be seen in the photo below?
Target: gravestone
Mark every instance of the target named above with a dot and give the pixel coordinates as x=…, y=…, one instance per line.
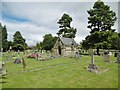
x=77, y=55
x=106, y=56
x=92, y=67
x=118, y=57
x=17, y=60
x=9, y=56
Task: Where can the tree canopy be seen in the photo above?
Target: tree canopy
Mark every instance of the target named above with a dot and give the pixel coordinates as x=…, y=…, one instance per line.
x=65, y=28
x=18, y=41
x=100, y=20
x=48, y=41
x=3, y=37
x=0, y=36
x=116, y=42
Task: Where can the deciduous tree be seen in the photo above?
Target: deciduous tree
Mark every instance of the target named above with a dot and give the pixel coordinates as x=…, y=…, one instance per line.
x=19, y=41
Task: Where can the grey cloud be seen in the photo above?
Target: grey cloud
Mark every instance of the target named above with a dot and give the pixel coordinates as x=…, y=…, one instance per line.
x=43, y=16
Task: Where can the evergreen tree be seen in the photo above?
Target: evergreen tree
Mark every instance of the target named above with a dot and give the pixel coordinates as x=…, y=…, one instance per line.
x=65, y=29
x=100, y=20
x=3, y=37
x=0, y=36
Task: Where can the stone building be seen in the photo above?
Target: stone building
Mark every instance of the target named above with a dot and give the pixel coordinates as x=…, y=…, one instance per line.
x=65, y=47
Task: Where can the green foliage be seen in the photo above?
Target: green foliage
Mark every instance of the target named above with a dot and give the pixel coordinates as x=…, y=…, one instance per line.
x=48, y=41
x=105, y=40
x=38, y=46
x=10, y=43
x=3, y=33
x=18, y=47
x=0, y=35
x=19, y=41
x=116, y=42
x=101, y=17
x=65, y=29
x=100, y=20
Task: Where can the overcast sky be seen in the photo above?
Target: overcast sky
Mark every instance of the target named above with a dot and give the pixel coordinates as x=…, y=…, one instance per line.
x=35, y=19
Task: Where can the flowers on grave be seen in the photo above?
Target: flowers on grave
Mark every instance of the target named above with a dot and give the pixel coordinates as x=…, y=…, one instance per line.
x=33, y=56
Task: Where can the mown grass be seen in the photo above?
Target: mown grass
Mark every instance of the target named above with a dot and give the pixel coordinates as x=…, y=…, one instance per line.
x=60, y=73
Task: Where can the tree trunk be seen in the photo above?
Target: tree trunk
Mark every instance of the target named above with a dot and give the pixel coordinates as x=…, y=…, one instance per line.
x=98, y=51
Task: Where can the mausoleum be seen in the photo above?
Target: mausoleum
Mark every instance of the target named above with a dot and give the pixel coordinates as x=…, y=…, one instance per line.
x=65, y=47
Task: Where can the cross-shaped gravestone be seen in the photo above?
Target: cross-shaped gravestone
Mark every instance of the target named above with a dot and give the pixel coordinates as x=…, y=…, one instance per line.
x=92, y=66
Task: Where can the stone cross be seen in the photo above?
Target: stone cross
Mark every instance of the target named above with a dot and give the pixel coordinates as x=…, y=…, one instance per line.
x=92, y=65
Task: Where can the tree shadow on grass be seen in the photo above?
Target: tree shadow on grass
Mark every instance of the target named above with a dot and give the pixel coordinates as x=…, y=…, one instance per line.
x=4, y=77
x=3, y=82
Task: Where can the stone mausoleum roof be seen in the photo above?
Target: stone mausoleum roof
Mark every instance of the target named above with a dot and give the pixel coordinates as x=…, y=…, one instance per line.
x=68, y=41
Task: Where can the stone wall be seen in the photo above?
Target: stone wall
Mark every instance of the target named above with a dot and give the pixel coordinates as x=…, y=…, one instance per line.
x=66, y=51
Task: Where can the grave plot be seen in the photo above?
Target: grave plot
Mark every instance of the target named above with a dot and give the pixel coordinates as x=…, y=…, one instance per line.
x=39, y=56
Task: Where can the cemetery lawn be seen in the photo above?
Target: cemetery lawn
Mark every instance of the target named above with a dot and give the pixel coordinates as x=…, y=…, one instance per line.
x=60, y=73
